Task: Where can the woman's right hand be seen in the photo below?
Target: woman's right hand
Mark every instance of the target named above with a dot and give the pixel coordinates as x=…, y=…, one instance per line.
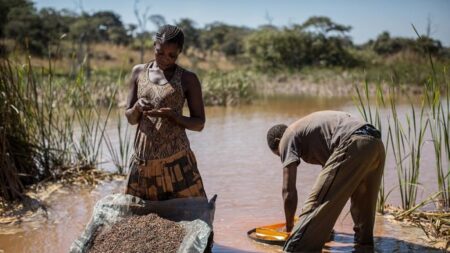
x=142, y=105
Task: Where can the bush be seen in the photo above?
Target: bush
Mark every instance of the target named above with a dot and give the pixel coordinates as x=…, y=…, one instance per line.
x=294, y=49
x=387, y=45
x=230, y=88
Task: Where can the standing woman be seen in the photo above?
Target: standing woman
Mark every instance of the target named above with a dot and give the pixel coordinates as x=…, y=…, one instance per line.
x=163, y=165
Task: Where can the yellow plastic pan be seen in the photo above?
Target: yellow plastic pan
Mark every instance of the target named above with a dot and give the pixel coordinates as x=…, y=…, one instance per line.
x=270, y=234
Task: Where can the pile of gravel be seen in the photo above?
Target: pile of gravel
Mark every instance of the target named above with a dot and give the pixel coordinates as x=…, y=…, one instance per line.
x=136, y=234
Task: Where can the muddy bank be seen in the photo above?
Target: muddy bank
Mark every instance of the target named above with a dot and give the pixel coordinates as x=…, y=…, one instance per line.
x=34, y=202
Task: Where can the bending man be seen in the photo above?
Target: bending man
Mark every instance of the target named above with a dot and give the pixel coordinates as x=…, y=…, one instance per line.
x=352, y=156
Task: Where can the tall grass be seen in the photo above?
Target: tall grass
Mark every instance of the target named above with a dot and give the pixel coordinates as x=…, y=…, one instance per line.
x=87, y=145
x=38, y=138
x=405, y=139
x=373, y=116
x=407, y=142
x=406, y=136
x=439, y=117
x=120, y=153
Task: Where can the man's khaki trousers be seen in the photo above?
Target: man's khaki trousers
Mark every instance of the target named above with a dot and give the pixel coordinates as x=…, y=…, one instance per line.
x=354, y=172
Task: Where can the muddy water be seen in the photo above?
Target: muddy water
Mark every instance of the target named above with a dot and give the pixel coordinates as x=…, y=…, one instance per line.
x=236, y=164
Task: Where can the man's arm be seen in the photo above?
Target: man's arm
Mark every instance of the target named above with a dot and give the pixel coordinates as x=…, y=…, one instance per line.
x=290, y=194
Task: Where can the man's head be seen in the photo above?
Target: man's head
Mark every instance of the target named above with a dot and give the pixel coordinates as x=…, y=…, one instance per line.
x=169, y=41
x=274, y=136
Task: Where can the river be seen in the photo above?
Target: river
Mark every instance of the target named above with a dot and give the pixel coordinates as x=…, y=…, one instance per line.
x=237, y=165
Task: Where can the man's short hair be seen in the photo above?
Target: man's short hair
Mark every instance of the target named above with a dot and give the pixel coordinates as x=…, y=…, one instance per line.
x=274, y=136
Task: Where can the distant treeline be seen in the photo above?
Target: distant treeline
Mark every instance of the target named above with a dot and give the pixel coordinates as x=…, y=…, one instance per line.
x=317, y=41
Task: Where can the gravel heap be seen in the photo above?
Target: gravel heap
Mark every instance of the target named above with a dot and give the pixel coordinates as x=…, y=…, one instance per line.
x=139, y=234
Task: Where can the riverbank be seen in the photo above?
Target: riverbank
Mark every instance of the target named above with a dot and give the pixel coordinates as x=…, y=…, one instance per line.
x=34, y=202
x=70, y=207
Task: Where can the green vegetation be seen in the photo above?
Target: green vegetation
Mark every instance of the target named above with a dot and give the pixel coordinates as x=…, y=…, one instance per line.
x=317, y=45
x=312, y=43
x=439, y=119
x=406, y=140
x=231, y=88
x=120, y=152
x=37, y=130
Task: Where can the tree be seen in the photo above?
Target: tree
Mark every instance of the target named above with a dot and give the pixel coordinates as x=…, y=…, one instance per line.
x=158, y=20
x=54, y=24
x=142, y=18
x=108, y=27
x=223, y=38
x=191, y=38
x=307, y=44
x=324, y=26
x=6, y=6
x=427, y=45
x=25, y=27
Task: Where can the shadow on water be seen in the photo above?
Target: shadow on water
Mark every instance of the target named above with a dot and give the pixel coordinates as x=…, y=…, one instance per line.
x=343, y=242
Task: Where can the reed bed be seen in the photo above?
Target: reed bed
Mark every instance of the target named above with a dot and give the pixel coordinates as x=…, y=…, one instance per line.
x=120, y=152
x=47, y=126
x=407, y=132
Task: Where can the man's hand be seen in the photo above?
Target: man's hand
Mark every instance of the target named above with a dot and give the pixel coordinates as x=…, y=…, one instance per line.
x=288, y=228
x=284, y=229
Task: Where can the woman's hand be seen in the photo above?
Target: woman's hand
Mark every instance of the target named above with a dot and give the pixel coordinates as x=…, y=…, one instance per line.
x=142, y=105
x=166, y=112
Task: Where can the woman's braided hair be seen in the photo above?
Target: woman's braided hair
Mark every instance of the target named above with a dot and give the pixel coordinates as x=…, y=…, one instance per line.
x=170, y=34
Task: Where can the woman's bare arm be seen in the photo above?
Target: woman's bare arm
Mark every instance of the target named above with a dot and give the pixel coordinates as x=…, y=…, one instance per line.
x=134, y=110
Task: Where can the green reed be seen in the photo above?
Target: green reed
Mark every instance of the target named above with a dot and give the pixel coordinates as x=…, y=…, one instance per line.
x=373, y=117
x=38, y=126
x=16, y=151
x=407, y=142
x=92, y=125
x=120, y=154
x=439, y=118
x=406, y=136
x=35, y=134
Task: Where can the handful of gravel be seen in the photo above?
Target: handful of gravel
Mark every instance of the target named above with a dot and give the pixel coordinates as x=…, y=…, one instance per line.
x=139, y=234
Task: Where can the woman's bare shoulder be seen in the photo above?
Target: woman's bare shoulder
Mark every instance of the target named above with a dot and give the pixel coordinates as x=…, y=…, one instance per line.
x=135, y=72
x=189, y=77
x=137, y=68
